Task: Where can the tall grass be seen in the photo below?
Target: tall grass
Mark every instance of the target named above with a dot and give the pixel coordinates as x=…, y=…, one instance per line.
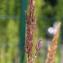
x=12, y=35
x=52, y=49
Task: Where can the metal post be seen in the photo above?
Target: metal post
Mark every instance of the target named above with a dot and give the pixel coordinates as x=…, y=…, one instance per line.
x=22, y=30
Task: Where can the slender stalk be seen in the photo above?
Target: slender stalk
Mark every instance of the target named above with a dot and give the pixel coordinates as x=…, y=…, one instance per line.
x=53, y=47
x=30, y=29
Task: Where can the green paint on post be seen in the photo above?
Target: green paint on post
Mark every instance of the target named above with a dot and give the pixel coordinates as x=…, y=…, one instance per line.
x=22, y=30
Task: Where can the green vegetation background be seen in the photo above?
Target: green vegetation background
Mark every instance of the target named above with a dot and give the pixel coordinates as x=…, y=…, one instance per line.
x=9, y=27
x=43, y=22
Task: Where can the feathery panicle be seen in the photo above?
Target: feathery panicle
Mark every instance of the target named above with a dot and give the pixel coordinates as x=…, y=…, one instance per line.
x=29, y=31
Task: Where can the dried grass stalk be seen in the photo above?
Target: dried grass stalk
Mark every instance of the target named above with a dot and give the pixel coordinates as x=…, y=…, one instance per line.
x=53, y=47
x=30, y=30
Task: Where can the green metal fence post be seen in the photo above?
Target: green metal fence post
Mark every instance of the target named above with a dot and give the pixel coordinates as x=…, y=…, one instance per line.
x=22, y=30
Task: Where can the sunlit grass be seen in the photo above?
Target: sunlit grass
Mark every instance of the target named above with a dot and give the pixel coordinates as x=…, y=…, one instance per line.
x=9, y=42
x=12, y=34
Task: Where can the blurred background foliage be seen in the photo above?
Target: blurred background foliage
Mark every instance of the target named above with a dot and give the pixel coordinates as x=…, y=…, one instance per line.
x=46, y=14
x=9, y=30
